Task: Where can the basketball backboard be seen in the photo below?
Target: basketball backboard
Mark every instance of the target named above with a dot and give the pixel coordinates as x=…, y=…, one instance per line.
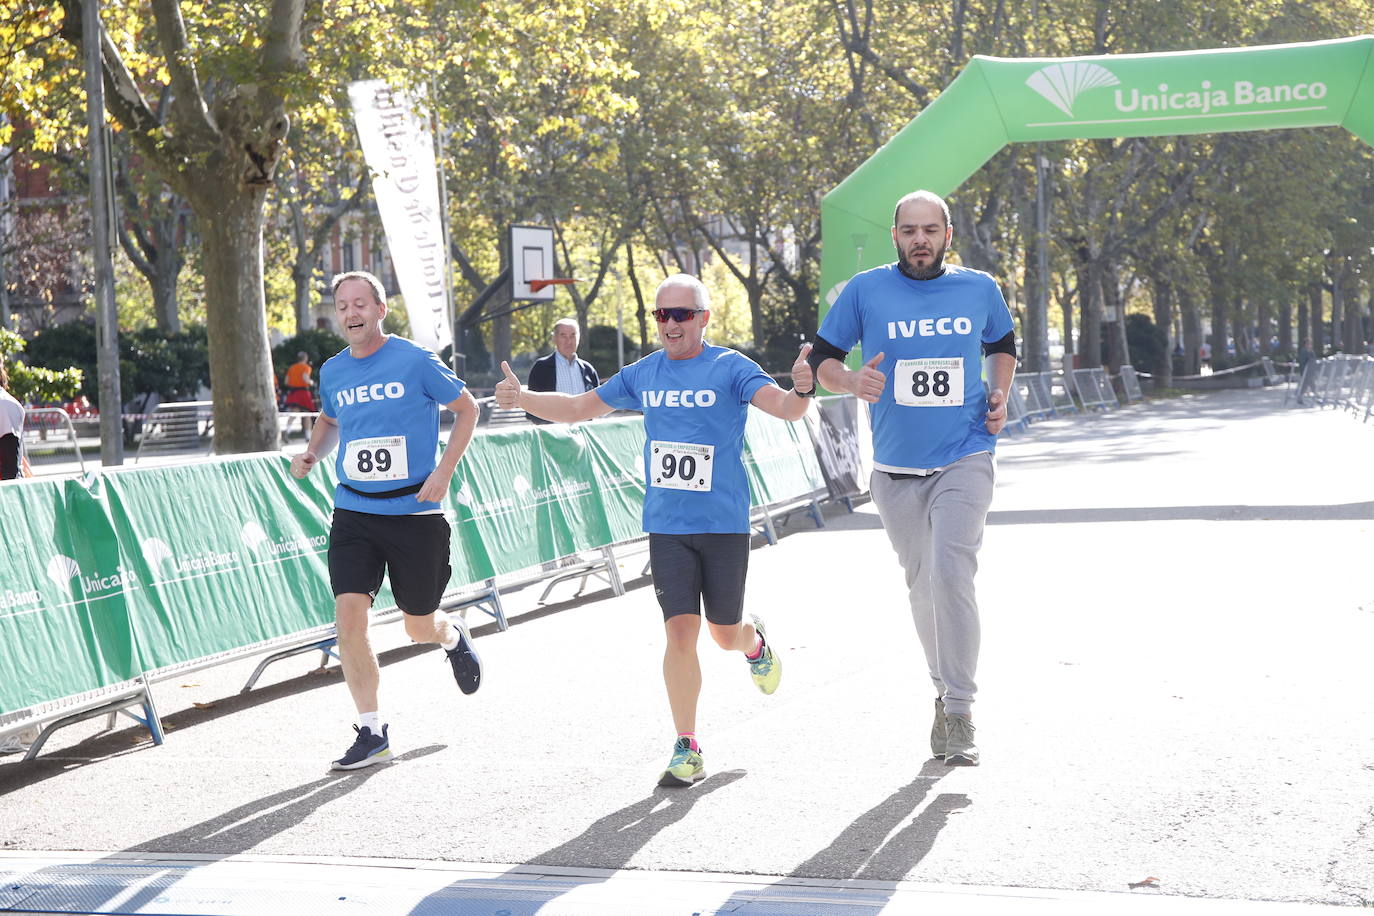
x=531, y=259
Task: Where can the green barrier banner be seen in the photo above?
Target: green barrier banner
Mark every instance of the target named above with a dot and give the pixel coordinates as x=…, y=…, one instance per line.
x=779, y=459
x=615, y=449
x=996, y=101
x=501, y=472
x=64, y=619
x=229, y=553
x=569, y=506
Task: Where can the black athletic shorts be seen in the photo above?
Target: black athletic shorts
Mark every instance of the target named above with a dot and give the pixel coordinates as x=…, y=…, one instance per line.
x=691, y=567
x=413, y=548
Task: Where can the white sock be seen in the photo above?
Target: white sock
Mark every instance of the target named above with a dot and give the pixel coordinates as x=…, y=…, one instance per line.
x=371, y=721
x=454, y=635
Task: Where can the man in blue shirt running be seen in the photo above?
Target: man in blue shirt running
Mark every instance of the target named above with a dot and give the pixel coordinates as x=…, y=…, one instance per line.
x=380, y=402
x=695, y=398
x=924, y=327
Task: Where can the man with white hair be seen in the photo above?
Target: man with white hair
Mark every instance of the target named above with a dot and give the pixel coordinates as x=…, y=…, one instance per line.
x=563, y=370
x=695, y=398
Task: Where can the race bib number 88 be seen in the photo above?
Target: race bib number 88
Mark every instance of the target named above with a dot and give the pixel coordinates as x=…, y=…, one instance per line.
x=929, y=382
x=680, y=465
x=378, y=458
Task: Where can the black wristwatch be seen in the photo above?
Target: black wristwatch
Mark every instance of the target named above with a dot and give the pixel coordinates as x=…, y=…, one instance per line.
x=805, y=394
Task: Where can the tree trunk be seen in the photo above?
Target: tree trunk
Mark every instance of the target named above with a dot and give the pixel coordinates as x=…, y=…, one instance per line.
x=1217, y=294
x=1090, y=317
x=641, y=315
x=1035, y=339
x=245, y=404
x=1314, y=300
x=1338, y=311
x=1192, y=329
x=1118, y=351
x=301, y=274
x=1163, y=296
x=1066, y=311
x=164, y=287
x=1354, y=333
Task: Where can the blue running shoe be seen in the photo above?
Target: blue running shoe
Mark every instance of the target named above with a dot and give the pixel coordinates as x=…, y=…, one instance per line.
x=366, y=750
x=467, y=667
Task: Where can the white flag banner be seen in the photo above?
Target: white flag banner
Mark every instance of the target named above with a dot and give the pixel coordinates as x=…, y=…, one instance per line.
x=399, y=150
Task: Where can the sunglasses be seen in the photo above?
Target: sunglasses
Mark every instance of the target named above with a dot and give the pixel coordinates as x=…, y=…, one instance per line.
x=681, y=316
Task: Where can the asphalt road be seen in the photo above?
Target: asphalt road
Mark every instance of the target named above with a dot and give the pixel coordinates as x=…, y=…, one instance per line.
x=1178, y=613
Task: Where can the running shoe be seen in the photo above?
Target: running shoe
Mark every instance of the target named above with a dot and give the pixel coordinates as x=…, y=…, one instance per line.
x=766, y=670
x=960, y=751
x=938, y=735
x=467, y=667
x=686, y=766
x=367, y=749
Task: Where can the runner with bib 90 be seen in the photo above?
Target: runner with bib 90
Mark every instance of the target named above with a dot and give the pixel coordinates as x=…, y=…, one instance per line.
x=695, y=399
x=923, y=327
x=380, y=402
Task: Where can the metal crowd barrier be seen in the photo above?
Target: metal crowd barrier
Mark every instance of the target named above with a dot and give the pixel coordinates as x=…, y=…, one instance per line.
x=1343, y=381
x=40, y=421
x=1094, y=389
x=268, y=548
x=176, y=426
x=1130, y=385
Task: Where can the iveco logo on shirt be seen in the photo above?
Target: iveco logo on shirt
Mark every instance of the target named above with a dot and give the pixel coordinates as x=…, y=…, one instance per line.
x=929, y=327
x=364, y=393
x=682, y=398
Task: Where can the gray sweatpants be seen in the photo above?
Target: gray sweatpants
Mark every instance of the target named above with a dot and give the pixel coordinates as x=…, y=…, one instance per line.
x=935, y=524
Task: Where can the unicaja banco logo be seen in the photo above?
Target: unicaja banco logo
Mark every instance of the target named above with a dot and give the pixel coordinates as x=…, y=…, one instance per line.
x=61, y=570
x=1061, y=84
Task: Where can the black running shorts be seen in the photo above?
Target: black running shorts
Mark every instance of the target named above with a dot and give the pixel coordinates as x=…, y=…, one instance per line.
x=413, y=548
x=691, y=567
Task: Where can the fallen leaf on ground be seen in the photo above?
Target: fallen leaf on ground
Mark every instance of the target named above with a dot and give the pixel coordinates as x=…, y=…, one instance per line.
x=1148, y=882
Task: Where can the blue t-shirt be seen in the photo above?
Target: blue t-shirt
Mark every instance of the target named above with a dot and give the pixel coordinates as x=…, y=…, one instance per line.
x=694, y=415
x=387, y=406
x=933, y=410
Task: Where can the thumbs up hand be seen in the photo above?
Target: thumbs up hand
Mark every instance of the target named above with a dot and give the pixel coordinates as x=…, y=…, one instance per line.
x=508, y=389
x=870, y=382
x=803, y=379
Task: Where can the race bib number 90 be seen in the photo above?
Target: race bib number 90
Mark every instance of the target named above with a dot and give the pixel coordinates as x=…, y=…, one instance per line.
x=378, y=458
x=681, y=465
x=929, y=382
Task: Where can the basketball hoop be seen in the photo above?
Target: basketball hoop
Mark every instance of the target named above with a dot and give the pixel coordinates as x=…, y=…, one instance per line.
x=537, y=285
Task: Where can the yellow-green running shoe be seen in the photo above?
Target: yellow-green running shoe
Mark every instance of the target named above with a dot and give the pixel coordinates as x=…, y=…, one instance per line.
x=686, y=766
x=766, y=670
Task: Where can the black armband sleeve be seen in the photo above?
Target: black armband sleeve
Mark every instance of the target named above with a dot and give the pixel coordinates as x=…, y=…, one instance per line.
x=1006, y=345
x=822, y=350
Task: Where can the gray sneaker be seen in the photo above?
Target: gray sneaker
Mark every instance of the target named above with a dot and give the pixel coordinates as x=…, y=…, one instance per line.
x=937, y=731
x=960, y=751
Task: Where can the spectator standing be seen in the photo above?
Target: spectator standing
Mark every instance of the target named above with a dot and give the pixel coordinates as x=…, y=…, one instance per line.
x=562, y=370
x=11, y=430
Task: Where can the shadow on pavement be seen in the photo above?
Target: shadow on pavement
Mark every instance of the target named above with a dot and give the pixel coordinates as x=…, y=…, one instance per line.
x=868, y=849
x=231, y=833
x=609, y=842
x=106, y=744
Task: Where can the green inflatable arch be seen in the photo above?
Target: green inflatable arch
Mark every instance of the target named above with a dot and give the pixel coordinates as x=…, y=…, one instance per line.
x=996, y=101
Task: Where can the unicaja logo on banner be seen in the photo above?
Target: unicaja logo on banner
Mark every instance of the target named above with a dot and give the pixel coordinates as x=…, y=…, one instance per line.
x=1062, y=84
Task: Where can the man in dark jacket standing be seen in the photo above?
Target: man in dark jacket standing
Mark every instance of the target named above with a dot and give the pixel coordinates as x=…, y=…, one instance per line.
x=562, y=370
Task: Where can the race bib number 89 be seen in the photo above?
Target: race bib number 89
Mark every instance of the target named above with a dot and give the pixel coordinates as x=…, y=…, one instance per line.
x=929, y=382
x=378, y=458
x=680, y=465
